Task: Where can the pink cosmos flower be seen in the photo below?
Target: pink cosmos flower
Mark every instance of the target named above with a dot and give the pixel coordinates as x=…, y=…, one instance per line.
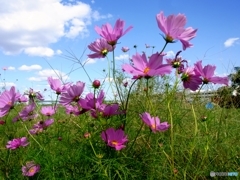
x=28, y=112
x=100, y=48
x=57, y=85
x=72, y=94
x=154, y=123
x=40, y=126
x=34, y=95
x=48, y=110
x=144, y=68
x=111, y=35
x=91, y=103
x=190, y=79
x=72, y=110
x=108, y=110
x=207, y=74
x=30, y=169
x=173, y=28
x=125, y=49
x=22, y=98
x=16, y=143
x=114, y=138
x=7, y=100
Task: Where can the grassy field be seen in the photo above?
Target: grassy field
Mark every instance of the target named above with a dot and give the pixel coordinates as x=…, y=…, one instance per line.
x=190, y=149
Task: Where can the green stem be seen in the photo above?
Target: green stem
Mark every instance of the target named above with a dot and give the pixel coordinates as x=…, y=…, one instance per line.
x=165, y=45
x=136, y=136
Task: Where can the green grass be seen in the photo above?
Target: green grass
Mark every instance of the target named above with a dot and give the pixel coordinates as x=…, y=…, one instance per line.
x=190, y=150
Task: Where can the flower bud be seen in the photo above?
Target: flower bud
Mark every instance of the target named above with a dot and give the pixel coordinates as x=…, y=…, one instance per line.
x=96, y=84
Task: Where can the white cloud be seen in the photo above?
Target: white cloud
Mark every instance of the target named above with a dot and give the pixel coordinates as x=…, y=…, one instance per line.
x=11, y=68
x=122, y=57
x=44, y=74
x=170, y=54
x=230, y=42
x=31, y=26
x=39, y=51
x=30, y=68
x=90, y=61
x=96, y=16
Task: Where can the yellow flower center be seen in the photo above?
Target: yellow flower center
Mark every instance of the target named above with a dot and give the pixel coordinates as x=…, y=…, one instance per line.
x=104, y=52
x=115, y=143
x=169, y=38
x=146, y=70
x=31, y=170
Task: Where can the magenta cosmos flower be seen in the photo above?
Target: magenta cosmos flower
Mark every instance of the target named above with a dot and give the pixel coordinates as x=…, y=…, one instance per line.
x=100, y=47
x=7, y=100
x=16, y=143
x=72, y=94
x=48, y=110
x=144, y=68
x=40, y=126
x=190, y=79
x=154, y=123
x=28, y=112
x=30, y=169
x=111, y=35
x=57, y=85
x=207, y=74
x=90, y=102
x=173, y=28
x=114, y=138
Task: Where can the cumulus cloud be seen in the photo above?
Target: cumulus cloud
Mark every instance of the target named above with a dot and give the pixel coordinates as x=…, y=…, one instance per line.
x=230, y=42
x=32, y=26
x=30, y=68
x=170, y=54
x=11, y=68
x=96, y=16
x=90, y=61
x=45, y=73
x=122, y=57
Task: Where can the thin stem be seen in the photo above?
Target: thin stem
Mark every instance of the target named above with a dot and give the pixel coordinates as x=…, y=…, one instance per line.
x=165, y=45
x=136, y=136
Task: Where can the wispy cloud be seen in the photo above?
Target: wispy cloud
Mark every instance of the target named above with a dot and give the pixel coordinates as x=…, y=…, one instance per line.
x=45, y=73
x=30, y=27
x=230, y=42
x=122, y=57
x=170, y=54
x=90, y=61
x=30, y=68
x=7, y=84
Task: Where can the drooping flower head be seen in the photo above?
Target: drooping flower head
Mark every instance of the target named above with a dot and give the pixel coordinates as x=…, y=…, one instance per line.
x=32, y=95
x=57, y=85
x=72, y=94
x=125, y=49
x=207, y=73
x=114, y=138
x=101, y=48
x=111, y=35
x=30, y=169
x=144, y=68
x=16, y=143
x=7, y=101
x=40, y=126
x=190, y=79
x=177, y=62
x=173, y=28
x=154, y=123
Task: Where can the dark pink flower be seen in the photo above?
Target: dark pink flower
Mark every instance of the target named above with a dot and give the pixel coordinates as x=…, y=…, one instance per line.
x=108, y=110
x=72, y=110
x=96, y=84
x=114, y=138
x=30, y=169
x=173, y=28
x=90, y=102
x=144, y=68
x=7, y=101
x=72, y=94
x=100, y=47
x=48, y=110
x=190, y=79
x=57, y=85
x=2, y=122
x=40, y=126
x=154, y=123
x=111, y=35
x=16, y=143
x=207, y=74
x=28, y=112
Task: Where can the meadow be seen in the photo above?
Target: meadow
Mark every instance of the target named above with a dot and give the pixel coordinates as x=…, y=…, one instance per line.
x=150, y=130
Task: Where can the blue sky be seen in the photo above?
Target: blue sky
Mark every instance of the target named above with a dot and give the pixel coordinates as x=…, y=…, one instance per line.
x=36, y=38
